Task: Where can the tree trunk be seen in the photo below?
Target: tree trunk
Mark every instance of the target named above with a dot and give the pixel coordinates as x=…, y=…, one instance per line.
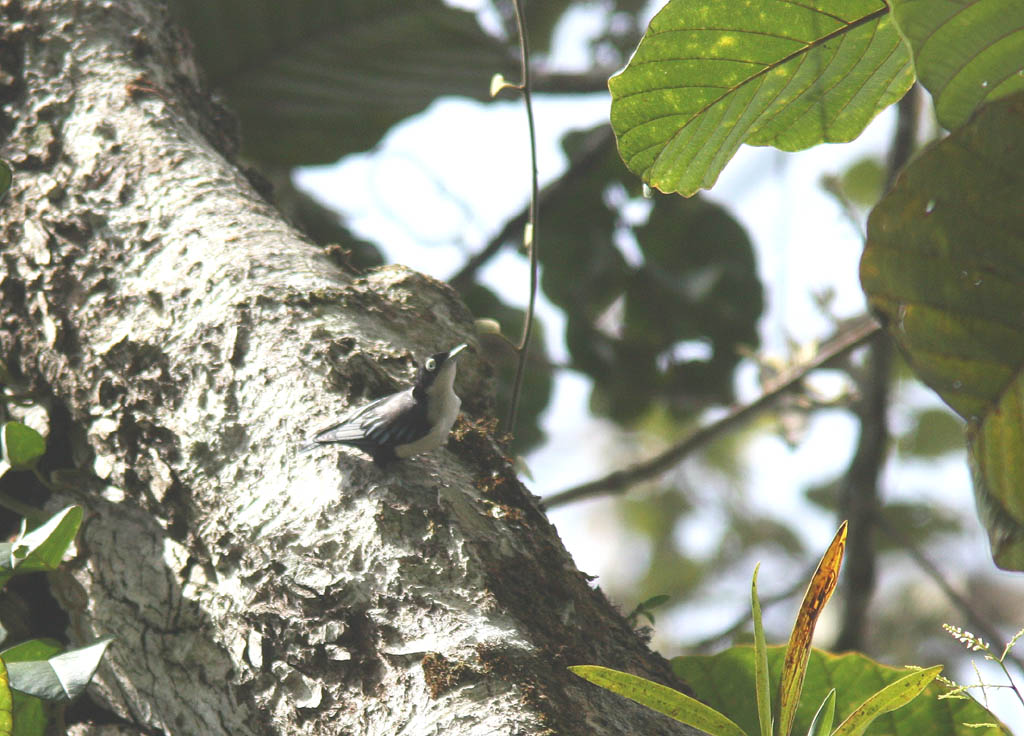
x=194, y=339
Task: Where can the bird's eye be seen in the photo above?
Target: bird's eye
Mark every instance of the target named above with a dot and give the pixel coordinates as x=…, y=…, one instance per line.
x=431, y=364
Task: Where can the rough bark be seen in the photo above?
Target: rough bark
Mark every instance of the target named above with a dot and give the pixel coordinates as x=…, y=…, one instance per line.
x=193, y=338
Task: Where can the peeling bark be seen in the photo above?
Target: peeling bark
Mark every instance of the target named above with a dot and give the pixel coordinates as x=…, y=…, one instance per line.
x=194, y=338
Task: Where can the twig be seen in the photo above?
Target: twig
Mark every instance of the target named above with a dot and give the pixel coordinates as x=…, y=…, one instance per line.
x=530, y=238
x=860, y=332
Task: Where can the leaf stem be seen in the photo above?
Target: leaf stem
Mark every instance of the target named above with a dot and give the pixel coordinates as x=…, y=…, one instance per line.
x=35, y=516
x=530, y=241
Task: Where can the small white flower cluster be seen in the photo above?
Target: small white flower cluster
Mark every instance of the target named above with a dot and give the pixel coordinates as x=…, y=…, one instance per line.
x=969, y=640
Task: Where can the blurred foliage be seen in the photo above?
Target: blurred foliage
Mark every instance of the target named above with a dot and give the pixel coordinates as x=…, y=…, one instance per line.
x=935, y=432
x=690, y=278
x=536, y=391
x=863, y=181
x=611, y=45
x=312, y=80
x=653, y=516
x=920, y=523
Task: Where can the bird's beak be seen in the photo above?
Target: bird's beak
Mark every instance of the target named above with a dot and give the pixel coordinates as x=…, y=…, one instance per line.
x=456, y=350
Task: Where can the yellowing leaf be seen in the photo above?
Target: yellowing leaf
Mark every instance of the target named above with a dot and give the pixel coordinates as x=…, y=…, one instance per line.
x=823, y=583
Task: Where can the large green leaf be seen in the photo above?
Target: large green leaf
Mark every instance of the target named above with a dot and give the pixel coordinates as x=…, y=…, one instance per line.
x=944, y=270
x=713, y=74
x=312, y=80
x=725, y=682
x=966, y=52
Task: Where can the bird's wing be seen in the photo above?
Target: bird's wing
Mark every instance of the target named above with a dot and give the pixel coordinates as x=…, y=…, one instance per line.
x=400, y=421
x=374, y=423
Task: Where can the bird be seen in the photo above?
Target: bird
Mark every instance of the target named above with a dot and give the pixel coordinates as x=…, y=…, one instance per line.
x=409, y=422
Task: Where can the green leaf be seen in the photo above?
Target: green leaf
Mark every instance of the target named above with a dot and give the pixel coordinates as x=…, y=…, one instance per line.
x=943, y=269
x=42, y=549
x=6, y=704
x=892, y=696
x=708, y=76
x=312, y=80
x=6, y=177
x=654, y=601
x=822, y=723
x=725, y=681
x=672, y=703
x=762, y=685
x=32, y=650
x=966, y=52
x=59, y=677
x=23, y=446
x=861, y=184
x=644, y=609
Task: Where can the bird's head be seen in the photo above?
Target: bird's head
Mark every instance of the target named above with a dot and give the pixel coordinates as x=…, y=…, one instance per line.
x=438, y=369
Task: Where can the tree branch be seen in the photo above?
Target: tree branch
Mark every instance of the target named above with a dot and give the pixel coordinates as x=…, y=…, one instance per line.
x=857, y=334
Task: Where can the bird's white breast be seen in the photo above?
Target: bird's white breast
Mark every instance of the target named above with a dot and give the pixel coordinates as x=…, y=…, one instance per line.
x=445, y=405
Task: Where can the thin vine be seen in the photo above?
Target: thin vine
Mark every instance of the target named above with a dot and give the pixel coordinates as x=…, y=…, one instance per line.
x=530, y=230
